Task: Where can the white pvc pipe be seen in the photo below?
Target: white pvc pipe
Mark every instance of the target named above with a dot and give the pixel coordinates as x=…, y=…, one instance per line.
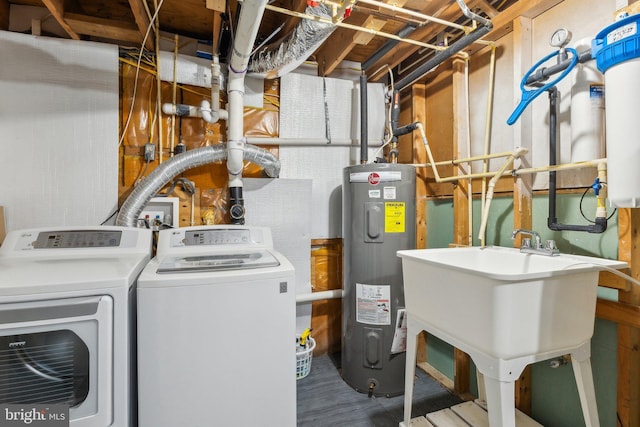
x=303, y=142
x=245, y=35
x=319, y=296
x=487, y=128
x=485, y=214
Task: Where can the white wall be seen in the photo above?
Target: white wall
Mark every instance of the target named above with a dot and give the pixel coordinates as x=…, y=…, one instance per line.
x=59, y=131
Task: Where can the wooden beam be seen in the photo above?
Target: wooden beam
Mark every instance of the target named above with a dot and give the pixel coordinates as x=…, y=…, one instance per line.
x=143, y=22
x=217, y=5
x=56, y=7
x=104, y=28
x=523, y=191
x=628, y=337
x=618, y=312
x=610, y=280
x=488, y=9
x=4, y=14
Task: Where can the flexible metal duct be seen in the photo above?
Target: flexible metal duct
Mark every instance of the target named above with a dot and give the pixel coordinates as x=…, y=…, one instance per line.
x=164, y=173
x=278, y=59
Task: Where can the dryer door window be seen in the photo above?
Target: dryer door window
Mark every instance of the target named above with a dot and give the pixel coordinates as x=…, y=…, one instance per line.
x=44, y=367
x=59, y=351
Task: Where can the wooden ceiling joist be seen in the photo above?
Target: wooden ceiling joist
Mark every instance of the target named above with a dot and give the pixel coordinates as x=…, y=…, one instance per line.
x=104, y=28
x=343, y=40
x=56, y=7
x=4, y=15
x=143, y=22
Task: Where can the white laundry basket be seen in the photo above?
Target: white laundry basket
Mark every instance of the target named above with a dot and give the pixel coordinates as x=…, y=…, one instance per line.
x=304, y=355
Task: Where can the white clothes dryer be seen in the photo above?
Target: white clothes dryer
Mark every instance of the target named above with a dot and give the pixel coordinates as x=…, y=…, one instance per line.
x=216, y=331
x=67, y=321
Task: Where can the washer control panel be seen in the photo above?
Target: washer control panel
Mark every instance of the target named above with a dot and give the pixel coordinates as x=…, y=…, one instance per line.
x=217, y=237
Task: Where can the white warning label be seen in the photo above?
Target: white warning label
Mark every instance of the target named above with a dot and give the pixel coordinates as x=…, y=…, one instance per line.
x=373, y=304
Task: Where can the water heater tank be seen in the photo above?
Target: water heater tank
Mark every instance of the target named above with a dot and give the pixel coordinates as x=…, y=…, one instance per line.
x=378, y=220
x=617, y=52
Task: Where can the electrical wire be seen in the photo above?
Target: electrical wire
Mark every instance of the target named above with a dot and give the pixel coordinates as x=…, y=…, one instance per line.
x=135, y=82
x=582, y=212
x=388, y=130
x=110, y=216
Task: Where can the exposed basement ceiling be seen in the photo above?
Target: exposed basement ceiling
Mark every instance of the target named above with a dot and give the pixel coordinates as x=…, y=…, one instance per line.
x=125, y=22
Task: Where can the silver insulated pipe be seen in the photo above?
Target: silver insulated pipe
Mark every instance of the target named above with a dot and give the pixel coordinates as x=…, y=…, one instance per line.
x=164, y=173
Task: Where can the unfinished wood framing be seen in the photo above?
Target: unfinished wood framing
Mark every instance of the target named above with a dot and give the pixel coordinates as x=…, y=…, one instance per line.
x=522, y=191
x=104, y=28
x=461, y=206
x=56, y=7
x=629, y=337
x=142, y=22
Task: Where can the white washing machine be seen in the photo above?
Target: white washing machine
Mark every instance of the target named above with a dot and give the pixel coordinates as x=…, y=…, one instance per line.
x=216, y=331
x=66, y=321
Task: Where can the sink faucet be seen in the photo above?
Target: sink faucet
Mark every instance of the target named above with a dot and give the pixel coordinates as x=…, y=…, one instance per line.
x=549, y=248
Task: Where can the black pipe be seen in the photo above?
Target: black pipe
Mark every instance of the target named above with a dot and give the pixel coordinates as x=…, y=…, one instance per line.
x=364, y=132
x=236, y=203
x=552, y=221
x=442, y=56
x=387, y=47
x=544, y=73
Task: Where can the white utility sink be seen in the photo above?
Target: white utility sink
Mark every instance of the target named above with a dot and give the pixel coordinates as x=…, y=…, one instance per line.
x=506, y=309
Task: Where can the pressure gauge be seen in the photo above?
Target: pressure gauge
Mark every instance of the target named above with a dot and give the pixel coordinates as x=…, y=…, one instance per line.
x=560, y=38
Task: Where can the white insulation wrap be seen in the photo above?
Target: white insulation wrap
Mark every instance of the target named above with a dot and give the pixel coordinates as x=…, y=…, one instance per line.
x=163, y=174
x=280, y=58
x=59, y=121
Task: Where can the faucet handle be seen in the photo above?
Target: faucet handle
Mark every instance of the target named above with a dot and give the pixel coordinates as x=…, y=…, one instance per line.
x=526, y=243
x=551, y=247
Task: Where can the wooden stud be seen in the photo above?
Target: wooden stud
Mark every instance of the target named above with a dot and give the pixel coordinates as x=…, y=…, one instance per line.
x=419, y=155
x=628, y=337
x=461, y=229
x=56, y=7
x=522, y=191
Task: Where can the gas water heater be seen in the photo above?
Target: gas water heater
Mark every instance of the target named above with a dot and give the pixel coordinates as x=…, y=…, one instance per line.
x=378, y=220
